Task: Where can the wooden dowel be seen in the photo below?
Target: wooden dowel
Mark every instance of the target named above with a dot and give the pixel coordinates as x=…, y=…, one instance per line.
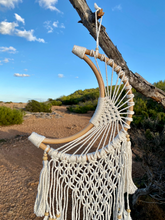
x=97, y=74
x=70, y=138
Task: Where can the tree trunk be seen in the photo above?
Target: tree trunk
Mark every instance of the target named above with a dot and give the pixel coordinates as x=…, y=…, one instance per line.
x=137, y=81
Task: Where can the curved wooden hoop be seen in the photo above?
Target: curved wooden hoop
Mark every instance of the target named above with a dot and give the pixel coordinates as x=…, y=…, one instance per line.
x=102, y=95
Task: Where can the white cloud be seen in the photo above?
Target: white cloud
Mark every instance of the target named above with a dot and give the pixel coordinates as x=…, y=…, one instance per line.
x=28, y=35
x=76, y=77
x=26, y=69
x=117, y=8
x=60, y=75
x=9, y=3
x=62, y=26
x=48, y=27
x=7, y=27
x=19, y=18
x=8, y=49
x=6, y=60
x=21, y=75
x=55, y=23
x=49, y=4
x=1, y=63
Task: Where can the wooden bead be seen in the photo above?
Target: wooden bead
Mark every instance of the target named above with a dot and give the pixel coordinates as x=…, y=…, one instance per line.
x=127, y=136
x=128, y=139
x=119, y=216
x=128, y=210
x=46, y=213
x=50, y=219
x=57, y=216
x=45, y=158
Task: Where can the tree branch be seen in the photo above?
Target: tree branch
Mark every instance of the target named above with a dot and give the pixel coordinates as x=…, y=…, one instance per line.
x=141, y=192
x=137, y=81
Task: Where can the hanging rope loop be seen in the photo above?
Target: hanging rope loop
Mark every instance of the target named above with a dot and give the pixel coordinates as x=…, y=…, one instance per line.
x=98, y=26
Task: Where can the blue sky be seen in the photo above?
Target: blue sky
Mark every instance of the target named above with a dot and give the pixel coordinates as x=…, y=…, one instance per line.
x=37, y=37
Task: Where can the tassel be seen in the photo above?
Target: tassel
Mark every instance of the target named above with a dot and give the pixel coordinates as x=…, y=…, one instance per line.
x=128, y=214
x=40, y=203
x=130, y=187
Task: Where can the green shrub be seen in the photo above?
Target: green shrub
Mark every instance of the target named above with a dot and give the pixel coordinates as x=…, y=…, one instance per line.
x=10, y=116
x=148, y=134
x=137, y=120
x=56, y=103
x=160, y=85
x=2, y=140
x=34, y=106
x=149, y=123
x=148, y=113
x=83, y=107
x=8, y=102
x=80, y=96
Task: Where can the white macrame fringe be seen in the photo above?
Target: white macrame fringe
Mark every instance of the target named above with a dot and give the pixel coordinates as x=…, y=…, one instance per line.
x=130, y=186
x=98, y=186
x=40, y=203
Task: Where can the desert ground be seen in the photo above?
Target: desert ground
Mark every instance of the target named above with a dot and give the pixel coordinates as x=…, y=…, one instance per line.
x=21, y=161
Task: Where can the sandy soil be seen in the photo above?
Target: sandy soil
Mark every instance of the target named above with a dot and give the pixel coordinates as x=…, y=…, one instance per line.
x=21, y=162
x=65, y=126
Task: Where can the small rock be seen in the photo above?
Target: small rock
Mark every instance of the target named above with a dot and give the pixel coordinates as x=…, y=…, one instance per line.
x=33, y=183
x=10, y=213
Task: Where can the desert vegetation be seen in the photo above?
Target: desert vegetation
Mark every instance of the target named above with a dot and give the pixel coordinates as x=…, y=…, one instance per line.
x=54, y=102
x=35, y=106
x=10, y=116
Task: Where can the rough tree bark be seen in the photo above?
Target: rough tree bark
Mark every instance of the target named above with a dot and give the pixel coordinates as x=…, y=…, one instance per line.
x=137, y=81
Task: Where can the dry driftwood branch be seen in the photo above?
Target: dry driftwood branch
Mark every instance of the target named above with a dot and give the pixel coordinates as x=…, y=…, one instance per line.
x=137, y=81
x=141, y=192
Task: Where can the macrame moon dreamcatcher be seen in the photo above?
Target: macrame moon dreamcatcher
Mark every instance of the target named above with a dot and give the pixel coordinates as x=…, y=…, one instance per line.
x=100, y=177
